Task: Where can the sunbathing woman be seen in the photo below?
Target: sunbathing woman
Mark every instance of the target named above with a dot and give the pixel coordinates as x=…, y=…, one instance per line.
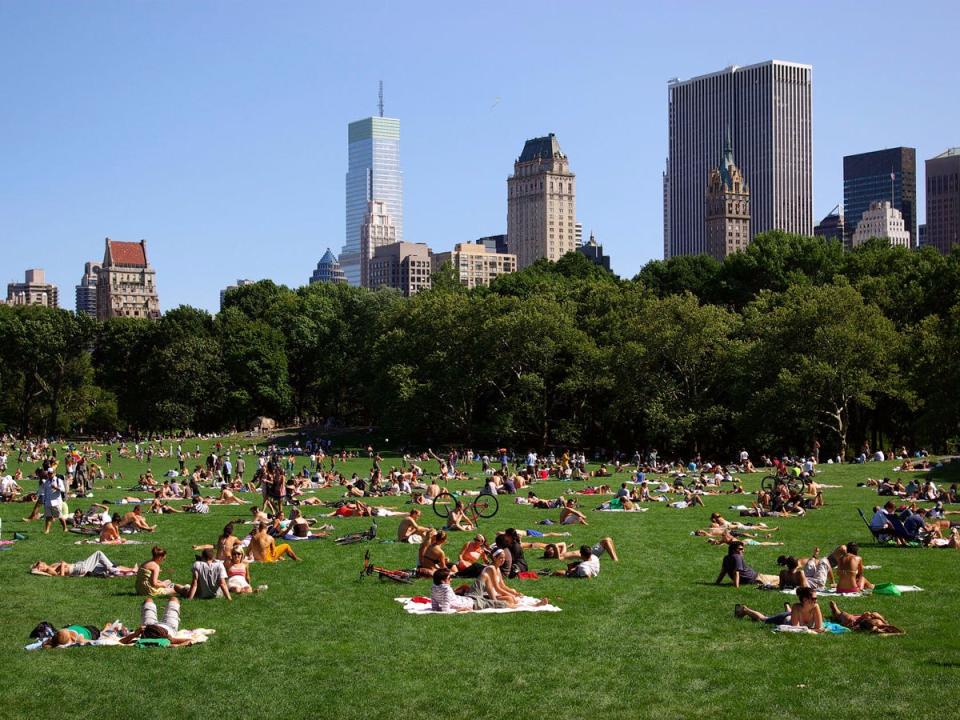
x=560, y=551
x=238, y=572
x=850, y=578
x=97, y=565
x=151, y=628
x=804, y=613
x=723, y=536
x=872, y=622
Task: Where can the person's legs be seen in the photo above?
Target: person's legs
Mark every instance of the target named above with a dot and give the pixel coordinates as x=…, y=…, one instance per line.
x=838, y=615
x=171, y=615
x=607, y=543
x=148, y=612
x=102, y=565
x=284, y=549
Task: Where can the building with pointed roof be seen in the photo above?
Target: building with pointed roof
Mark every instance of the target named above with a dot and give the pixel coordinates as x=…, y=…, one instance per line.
x=727, y=207
x=541, y=203
x=126, y=282
x=328, y=270
x=593, y=251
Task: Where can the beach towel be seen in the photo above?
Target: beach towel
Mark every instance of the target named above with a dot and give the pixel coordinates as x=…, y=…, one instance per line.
x=195, y=636
x=527, y=604
x=97, y=541
x=620, y=509
x=832, y=628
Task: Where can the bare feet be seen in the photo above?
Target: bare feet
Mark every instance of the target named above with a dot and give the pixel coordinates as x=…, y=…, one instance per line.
x=738, y=610
x=542, y=601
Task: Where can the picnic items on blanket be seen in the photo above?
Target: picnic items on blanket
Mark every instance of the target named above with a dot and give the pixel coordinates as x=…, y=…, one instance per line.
x=111, y=635
x=831, y=628
x=421, y=606
x=881, y=589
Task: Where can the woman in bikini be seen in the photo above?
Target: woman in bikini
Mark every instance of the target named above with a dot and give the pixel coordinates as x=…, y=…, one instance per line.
x=238, y=572
x=872, y=622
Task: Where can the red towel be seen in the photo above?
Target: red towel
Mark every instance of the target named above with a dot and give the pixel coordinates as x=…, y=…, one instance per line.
x=422, y=600
x=528, y=575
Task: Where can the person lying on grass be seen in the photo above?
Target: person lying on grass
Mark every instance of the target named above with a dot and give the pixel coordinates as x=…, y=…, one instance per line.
x=263, y=548
x=803, y=613
x=209, y=578
x=872, y=622
x=717, y=520
x=478, y=596
x=738, y=570
x=97, y=565
x=813, y=572
x=152, y=629
x=72, y=635
x=561, y=551
x=724, y=536
x=148, y=577
x=588, y=566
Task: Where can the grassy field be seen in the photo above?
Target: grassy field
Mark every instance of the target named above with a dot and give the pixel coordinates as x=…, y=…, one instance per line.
x=650, y=637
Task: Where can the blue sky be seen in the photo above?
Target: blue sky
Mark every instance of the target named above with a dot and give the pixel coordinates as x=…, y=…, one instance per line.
x=217, y=130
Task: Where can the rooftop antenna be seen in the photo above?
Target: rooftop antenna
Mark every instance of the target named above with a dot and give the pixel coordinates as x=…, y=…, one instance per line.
x=380, y=103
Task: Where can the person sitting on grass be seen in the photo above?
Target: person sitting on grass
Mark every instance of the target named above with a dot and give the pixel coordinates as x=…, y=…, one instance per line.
x=263, y=548
x=97, y=565
x=470, y=562
x=458, y=520
x=238, y=572
x=738, y=570
x=803, y=613
x=135, y=521
x=872, y=622
x=569, y=515
x=148, y=577
x=432, y=557
x=209, y=578
x=109, y=534
x=152, y=629
x=850, y=578
x=410, y=531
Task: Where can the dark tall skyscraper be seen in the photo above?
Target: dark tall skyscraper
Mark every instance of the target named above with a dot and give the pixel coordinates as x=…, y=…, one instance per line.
x=881, y=175
x=943, y=201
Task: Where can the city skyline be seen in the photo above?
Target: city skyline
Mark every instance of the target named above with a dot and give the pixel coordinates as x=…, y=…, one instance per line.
x=228, y=156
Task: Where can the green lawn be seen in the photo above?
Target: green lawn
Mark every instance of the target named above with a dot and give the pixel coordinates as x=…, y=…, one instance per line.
x=650, y=637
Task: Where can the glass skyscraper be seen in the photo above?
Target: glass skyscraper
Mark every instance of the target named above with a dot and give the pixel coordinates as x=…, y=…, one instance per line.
x=373, y=173
x=889, y=174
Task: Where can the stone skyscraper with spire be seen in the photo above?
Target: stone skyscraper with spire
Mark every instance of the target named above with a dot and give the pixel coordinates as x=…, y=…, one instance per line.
x=726, y=209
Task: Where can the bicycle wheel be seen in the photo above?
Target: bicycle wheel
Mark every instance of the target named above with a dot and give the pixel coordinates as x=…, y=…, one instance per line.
x=443, y=504
x=486, y=506
x=768, y=483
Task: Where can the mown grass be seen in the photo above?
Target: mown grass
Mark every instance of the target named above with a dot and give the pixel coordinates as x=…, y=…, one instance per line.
x=650, y=637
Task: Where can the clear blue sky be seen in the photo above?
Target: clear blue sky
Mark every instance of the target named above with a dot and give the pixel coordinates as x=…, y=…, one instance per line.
x=217, y=130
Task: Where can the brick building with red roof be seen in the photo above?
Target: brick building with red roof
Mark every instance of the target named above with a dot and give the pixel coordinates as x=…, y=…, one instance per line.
x=127, y=284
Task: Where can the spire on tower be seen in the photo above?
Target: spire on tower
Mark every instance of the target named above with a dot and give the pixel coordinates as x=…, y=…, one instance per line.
x=380, y=103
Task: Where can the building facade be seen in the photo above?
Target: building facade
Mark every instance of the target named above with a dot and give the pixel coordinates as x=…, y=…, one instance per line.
x=593, y=251
x=126, y=283
x=882, y=220
x=241, y=282
x=768, y=108
x=832, y=226
x=943, y=201
x=541, y=203
x=34, y=290
x=403, y=266
x=376, y=231
x=889, y=174
x=726, y=208
x=494, y=243
x=373, y=173
x=475, y=263
x=86, y=291
x=328, y=270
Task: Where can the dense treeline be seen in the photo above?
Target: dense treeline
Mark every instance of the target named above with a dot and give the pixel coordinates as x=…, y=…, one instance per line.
x=789, y=341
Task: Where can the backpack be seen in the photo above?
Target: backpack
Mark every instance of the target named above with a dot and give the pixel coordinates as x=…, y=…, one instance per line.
x=43, y=631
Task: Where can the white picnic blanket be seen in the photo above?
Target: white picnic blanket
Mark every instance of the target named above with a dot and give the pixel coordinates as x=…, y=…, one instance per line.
x=195, y=636
x=621, y=510
x=527, y=604
x=834, y=593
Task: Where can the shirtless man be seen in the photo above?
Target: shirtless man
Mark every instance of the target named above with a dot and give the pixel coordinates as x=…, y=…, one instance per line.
x=136, y=520
x=457, y=520
x=571, y=516
x=850, y=571
x=410, y=530
x=109, y=532
x=263, y=547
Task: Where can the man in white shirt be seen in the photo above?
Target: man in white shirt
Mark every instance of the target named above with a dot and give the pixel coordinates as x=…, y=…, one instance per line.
x=881, y=520
x=587, y=567
x=54, y=493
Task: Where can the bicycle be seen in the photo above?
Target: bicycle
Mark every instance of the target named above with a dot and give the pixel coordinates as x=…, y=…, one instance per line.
x=482, y=506
x=795, y=485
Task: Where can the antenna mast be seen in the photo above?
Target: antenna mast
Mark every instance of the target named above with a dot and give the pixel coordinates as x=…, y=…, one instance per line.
x=380, y=103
